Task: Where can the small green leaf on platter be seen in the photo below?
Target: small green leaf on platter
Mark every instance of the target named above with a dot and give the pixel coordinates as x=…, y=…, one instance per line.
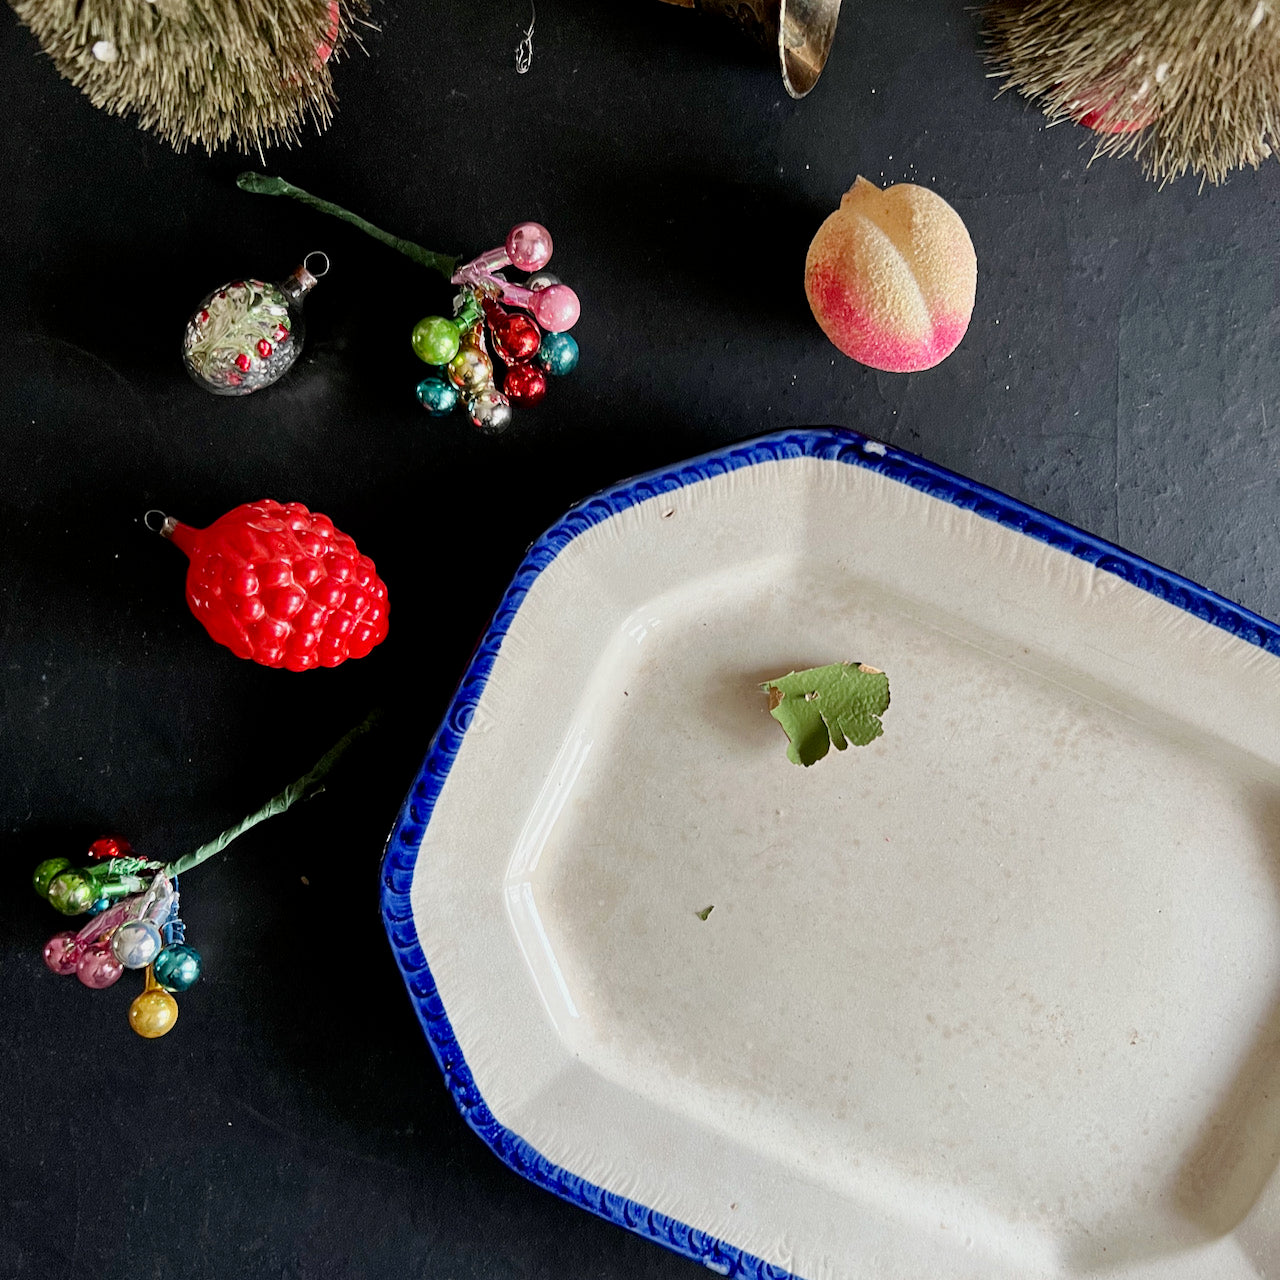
x=705, y=912
x=825, y=706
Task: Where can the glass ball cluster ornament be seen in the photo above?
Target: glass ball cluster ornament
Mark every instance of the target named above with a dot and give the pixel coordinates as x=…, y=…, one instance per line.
x=489, y=358
x=132, y=908
x=504, y=338
x=247, y=334
x=133, y=923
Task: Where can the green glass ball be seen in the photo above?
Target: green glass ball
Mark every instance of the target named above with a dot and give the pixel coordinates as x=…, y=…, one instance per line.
x=72, y=892
x=177, y=967
x=435, y=340
x=437, y=396
x=43, y=875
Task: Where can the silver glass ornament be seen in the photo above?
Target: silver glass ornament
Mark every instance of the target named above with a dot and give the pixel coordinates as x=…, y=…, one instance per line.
x=490, y=412
x=246, y=334
x=136, y=943
x=542, y=280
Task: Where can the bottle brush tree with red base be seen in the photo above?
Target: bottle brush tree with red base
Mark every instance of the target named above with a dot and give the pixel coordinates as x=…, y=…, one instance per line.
x=1187, y=86
x=211, y=72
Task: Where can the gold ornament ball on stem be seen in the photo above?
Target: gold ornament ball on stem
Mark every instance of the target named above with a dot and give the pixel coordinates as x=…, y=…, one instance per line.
x=470, y=369
x=155, y=1011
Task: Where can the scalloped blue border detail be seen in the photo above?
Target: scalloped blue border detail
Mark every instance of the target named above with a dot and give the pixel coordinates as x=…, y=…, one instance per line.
x=406, y=837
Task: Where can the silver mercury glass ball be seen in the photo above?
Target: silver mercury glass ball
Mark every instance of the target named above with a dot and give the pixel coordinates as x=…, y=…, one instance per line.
x=541, y=280
x=490, y=412
x=136, y=943
x=248, y=333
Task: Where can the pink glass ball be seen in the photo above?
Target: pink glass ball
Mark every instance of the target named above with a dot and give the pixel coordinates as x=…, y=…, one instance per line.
x=98, y=968
x=529, y=246
x=61, y=954
x=556, y=308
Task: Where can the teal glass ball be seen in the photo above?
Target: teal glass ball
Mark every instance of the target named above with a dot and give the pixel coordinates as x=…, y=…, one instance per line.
x=177, y=967
x=558, y=354
x=437, y=396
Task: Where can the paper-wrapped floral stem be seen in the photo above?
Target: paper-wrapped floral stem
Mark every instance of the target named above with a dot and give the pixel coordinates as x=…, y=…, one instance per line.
x=305, y=786
x=265, y=185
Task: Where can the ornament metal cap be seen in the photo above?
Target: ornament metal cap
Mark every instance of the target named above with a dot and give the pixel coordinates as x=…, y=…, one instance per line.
x=158, y=522
x=306, y=277
x=801, y=31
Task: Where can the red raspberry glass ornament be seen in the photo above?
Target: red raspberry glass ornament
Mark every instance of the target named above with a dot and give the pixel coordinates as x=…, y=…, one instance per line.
x=280, y=585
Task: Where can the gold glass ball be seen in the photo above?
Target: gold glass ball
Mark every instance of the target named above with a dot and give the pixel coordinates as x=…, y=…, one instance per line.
x=153, y=1013
x=470, y=369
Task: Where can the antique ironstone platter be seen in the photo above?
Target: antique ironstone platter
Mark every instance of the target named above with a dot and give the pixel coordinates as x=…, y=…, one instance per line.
x=995, y=997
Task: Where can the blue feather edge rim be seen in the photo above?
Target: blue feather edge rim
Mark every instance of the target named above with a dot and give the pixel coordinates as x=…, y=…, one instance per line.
x=834, y=445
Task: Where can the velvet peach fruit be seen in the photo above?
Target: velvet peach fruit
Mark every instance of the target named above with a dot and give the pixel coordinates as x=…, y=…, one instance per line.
x=891, y=277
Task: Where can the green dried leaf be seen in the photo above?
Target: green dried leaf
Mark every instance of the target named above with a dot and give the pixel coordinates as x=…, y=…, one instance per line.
x=836, y=704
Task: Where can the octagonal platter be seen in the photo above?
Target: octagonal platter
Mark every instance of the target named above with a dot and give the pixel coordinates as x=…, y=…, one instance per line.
x=996, y=997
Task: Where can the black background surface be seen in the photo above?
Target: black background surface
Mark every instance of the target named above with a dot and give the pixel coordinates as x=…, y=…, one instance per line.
x=1118, y=373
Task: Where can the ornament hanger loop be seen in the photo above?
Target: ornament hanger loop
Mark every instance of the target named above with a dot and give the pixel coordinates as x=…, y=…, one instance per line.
x=157, y=522
x=316, y=271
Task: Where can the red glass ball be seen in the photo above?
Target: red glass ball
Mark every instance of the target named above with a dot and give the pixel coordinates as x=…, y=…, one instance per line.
x=525, y=384
x=110, y=847
x=515, y=336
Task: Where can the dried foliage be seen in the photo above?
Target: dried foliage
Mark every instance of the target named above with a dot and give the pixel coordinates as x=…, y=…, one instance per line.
x=250, y=73
x=1179, y=84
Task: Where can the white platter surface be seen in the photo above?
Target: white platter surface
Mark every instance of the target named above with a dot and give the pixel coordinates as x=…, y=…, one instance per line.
x=995, y=996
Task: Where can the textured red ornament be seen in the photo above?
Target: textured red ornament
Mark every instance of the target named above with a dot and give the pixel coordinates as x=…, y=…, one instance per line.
x=1097, y=110
x=515, y=336
x=277, y=584
x=264, y=348
x=110, y=847
x=1097, y=121
x=525, y=384
x=243, y=363
x=324, y=50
